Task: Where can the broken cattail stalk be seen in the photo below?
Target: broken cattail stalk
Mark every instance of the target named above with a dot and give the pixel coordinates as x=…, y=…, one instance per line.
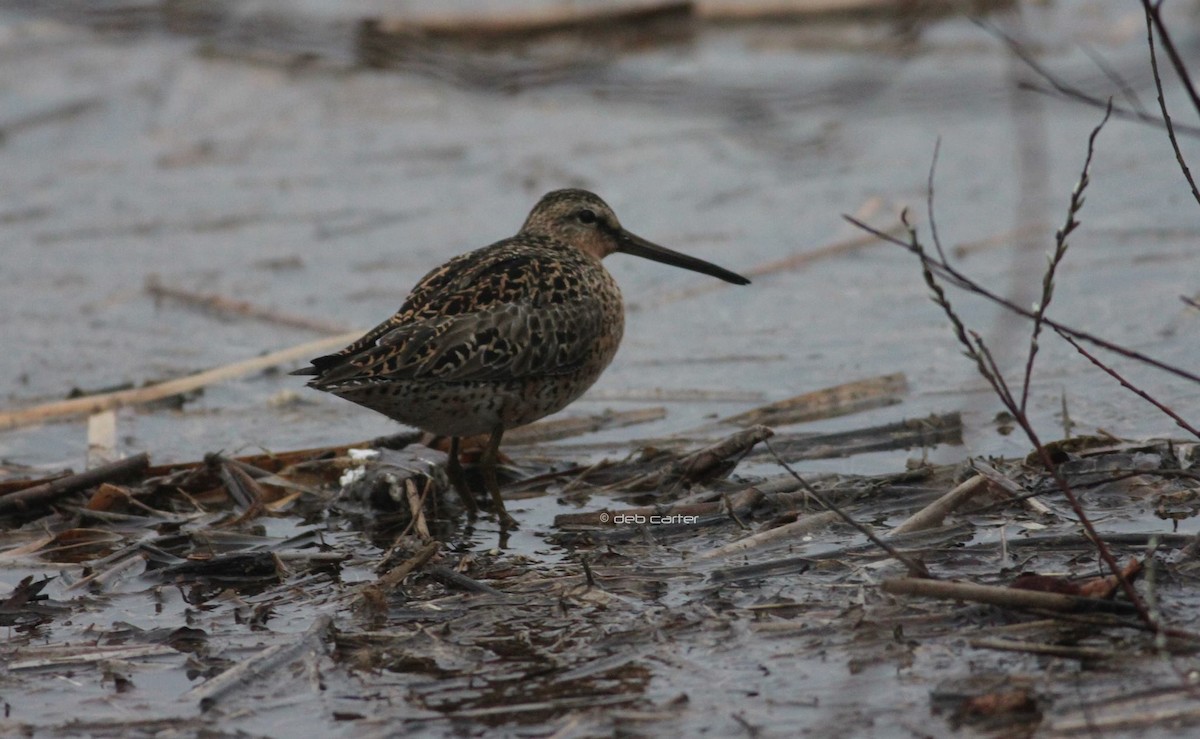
x=840, y=400
x=933, y=514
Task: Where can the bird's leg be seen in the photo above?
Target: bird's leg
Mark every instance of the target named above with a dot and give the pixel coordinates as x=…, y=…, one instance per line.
x=454, y=471
x=489, y=460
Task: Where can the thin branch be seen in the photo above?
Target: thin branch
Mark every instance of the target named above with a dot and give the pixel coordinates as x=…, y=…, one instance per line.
x=1060, y=251
x=953, y=276
x=977, y=350
x=933, y=232
x=1100, y=103
x=1122, y=84
x=1154, y=11
x=1102, y=549
x=1058, y=87
x=994, y=375
x=1130, y=386
x=1154, y=20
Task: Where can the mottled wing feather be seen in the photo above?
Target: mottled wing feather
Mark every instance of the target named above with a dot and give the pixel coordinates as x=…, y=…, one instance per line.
x=495, y=314
x=430, y=285
x=507, y=343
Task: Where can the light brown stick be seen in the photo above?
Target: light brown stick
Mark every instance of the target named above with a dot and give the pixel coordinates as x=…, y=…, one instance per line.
x=1012, y=488
x=105, y=401
x=796, y=528
x=393, y=577
x=1000, y=596
x=933, y=514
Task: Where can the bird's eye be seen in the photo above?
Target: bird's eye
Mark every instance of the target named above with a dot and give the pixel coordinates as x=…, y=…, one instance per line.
x=586, y=216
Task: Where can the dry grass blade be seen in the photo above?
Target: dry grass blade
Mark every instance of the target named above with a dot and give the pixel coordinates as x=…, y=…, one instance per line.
x=524, y=23
x=89, y=654
x=787, y=264
x=911, y=433
x=1050, y=650
x=393, y=577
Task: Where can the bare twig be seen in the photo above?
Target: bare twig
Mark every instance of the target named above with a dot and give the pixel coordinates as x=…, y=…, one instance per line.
x=1060, y=251
x=1154, y=21
x=1130, y=386
x=1058, y=87
x=953, y=276
x=978, y=351
x=933, y=231
x=1153, y=10
x=1122, y=84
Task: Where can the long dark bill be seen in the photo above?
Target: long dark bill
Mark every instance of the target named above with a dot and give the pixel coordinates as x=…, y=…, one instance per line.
x=639, y=247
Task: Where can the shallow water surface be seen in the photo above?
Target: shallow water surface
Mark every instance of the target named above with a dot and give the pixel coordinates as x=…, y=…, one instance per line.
x=252, y=157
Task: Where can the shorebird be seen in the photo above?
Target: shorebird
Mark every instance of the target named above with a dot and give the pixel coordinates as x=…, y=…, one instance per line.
x=501, y=336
